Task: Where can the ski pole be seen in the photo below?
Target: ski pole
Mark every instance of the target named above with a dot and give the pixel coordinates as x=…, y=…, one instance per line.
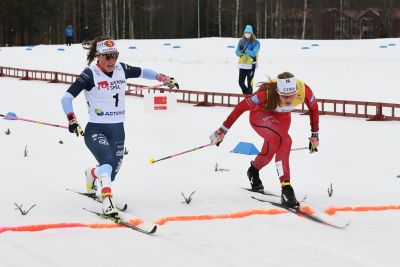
x=299, y=148
x=152, y=161
x=145, y=87
x=28, y=120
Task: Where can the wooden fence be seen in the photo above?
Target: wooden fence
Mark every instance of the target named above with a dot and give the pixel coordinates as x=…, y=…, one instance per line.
x=345, y=108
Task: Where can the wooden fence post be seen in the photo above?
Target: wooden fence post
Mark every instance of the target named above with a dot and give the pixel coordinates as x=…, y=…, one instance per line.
x=26, y=77
x=379, y=115
x=55, y=80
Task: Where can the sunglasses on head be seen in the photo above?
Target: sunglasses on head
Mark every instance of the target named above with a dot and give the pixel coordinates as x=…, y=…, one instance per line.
x=110, y=56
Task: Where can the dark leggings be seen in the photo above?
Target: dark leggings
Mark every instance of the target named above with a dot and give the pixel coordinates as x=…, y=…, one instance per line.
x=106, y=142
x=68, y=40
x=249, y=74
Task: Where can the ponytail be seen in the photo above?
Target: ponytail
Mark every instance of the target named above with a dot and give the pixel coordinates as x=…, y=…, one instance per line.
x=273, y=99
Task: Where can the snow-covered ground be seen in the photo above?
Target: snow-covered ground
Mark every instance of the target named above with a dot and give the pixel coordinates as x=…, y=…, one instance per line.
x=221, y=227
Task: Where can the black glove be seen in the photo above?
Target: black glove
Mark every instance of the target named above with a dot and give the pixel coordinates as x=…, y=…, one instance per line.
x=242, y=48
x=73, y=125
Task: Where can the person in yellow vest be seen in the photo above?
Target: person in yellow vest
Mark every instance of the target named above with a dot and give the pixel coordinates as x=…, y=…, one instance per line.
x=247, y=51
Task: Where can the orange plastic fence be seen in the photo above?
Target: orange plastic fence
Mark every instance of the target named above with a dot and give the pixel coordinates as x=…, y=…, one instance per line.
x=188, y=218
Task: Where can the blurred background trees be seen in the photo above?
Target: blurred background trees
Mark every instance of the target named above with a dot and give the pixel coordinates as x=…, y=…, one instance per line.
x=24, y=22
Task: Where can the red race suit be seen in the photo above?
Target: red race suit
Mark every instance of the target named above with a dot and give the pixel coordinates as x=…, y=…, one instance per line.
x=273, y=126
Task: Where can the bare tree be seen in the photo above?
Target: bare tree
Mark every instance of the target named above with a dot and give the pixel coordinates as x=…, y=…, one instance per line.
x=27, y=22
x=258, y=17
x=131, y=5
x=219, y=19
x=102, y=17
x=110, y=20
x=116, y=20
x=278, y=16
x=303, y=35
x=78, y=26
x=317, y=20
x=273, y=25
x=386, y=18
x=85, y=13
x=266, y=18
x=344, y=5
x=123, y=30
x=236, y=28
x=74, y=18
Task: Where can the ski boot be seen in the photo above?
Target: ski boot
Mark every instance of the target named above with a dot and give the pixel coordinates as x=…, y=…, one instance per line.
x=91, y=181
x=109, y=208
x=106, y=195
x=288, y=198
x=254, y=177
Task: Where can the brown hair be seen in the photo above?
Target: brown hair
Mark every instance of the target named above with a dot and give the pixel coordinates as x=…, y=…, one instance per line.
x=252, y=38
x=285, y=75
x=269, y=87
x=93, y=48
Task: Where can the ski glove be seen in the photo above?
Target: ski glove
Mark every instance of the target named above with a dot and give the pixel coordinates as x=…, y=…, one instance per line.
x=167, y=81
x=218, y=136
x=73, y=125
x=314, y=142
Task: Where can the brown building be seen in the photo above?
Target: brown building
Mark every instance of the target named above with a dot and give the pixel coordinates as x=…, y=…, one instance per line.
x=396, y=23
x=327, y=24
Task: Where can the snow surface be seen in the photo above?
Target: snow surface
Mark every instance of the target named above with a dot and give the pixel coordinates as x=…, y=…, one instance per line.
x=358, y=157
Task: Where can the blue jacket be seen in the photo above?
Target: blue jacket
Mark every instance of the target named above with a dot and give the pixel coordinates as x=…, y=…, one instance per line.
x=248, y=55
x=252, y=48
x=69, y=31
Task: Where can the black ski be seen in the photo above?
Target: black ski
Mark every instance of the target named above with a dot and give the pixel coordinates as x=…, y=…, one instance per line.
x=266, y=193
x=94, y=197
x=116, y=219
x=302, y=213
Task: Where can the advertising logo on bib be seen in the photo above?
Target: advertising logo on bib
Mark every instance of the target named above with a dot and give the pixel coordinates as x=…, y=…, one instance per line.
x=99, y=112
x=102, y=85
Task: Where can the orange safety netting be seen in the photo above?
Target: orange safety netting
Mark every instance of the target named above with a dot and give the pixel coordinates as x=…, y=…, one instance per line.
x=162, y=221
x=333, y=210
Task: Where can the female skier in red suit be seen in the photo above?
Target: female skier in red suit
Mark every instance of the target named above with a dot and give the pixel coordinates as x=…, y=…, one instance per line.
x=270, y=115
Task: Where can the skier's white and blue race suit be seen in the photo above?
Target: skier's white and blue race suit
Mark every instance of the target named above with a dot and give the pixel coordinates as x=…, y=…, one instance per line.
x=105, y=98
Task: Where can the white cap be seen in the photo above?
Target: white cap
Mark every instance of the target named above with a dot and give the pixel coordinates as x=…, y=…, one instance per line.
x=106, y=46
x=287, y=86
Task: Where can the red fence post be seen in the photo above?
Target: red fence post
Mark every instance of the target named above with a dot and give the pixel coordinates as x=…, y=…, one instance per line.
x=26, y=77
x=204, y=103
x=55, y=80
x=322, y=111
x=379, y=115
x=1, y=72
